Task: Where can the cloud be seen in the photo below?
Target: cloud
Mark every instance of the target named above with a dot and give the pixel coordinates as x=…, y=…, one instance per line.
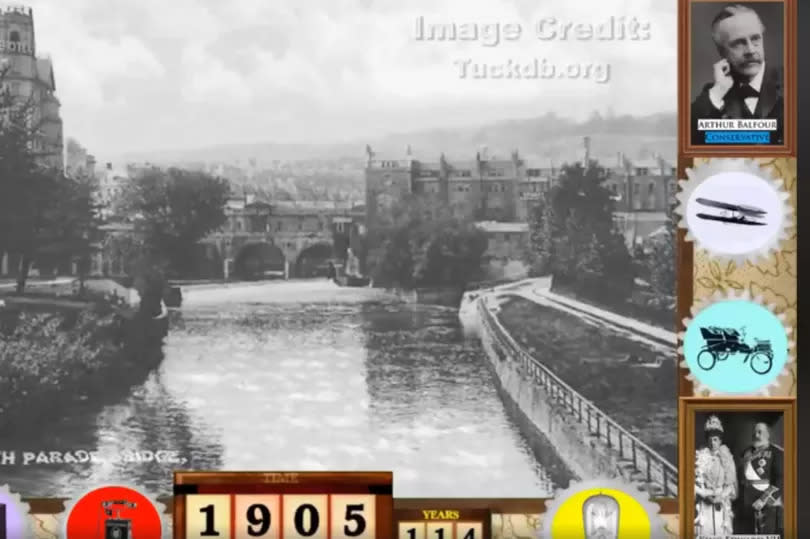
x=86, y=62
x=331, y=68
x=210, y=81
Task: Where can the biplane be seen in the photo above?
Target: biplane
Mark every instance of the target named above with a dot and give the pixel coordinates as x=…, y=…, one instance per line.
x=736, y=214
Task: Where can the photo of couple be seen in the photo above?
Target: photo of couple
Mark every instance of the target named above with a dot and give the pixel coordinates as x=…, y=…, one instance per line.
x=739, y=471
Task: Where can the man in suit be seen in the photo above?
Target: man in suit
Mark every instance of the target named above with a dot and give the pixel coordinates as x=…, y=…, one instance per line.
x=761, y=483
x=744, y=87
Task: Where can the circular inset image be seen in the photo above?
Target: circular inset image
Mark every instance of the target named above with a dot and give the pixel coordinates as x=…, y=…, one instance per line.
x=15, y=516
x=735, y=347
x=733, y=209
x=112, y=511
x=602, y=508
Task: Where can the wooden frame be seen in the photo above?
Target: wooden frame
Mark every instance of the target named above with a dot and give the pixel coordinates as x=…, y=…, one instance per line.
x=497, y=506
x=685, y=290
x=376, y=484
x=685, y=147
x=414, y=515
x=689, y=406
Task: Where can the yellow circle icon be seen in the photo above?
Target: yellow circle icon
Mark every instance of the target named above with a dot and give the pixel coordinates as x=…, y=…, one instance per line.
x=601, y=508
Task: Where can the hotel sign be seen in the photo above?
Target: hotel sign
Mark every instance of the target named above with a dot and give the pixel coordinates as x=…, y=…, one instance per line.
x=17, y=47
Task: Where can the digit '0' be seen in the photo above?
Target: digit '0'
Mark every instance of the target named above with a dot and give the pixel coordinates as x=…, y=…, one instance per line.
x=314, y=520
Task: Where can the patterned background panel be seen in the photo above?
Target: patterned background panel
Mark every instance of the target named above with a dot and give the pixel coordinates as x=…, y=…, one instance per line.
x=773, y=278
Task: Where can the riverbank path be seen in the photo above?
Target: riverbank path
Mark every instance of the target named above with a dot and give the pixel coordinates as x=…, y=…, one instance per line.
x=539, y=291
x=640, y=464
x=6, y=284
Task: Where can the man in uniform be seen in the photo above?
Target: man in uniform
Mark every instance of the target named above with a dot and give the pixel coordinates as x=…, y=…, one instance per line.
x=761, y=477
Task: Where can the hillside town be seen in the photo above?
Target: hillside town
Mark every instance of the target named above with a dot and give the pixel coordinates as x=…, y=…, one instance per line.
x=311, y=197
x=179, y=299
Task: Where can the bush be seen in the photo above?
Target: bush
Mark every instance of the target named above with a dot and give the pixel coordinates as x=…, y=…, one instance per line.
x=46, y=355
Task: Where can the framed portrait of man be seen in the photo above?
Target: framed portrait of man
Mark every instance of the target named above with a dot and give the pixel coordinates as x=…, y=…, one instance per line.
x=738, y=84
x=738, y=465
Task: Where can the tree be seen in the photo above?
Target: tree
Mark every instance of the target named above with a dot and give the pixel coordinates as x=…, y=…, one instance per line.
x=538, y=255
x=68, y=232
x=392, y=261
x=45, y=218
x=660, y=266
x=573, y=237
x=173, y=210
x=53, y=224
x=452, y=254
x=17, y=164
x=418, y=243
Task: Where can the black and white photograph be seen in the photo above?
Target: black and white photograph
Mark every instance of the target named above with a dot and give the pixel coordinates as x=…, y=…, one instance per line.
x=432, y=237
x=743, y=469
x=737, y=79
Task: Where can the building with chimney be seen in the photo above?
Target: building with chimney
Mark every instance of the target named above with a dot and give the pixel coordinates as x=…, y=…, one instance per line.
x=111, y=182
x=30, y=79
x=499, y=192
x=78, y=162
x=643, y=193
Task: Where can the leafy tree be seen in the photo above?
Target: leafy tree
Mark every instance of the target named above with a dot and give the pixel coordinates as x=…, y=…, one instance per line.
x=53, y=224
x=538, y=255
x=69, y=231
x=17, y=165
x=573, y=237
x=129, y=249
x=45, y=218
x=452, y=254
x=418, y=243
x=660, y=261
x=392, y=261
x=173, y=210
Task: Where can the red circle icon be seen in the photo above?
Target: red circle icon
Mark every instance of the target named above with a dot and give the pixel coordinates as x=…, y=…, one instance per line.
x=113, y=513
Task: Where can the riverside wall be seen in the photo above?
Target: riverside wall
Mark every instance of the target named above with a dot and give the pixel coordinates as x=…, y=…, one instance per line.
x=588, y=442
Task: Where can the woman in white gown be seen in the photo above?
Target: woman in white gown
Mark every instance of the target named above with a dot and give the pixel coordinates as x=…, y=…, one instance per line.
x=715, y=483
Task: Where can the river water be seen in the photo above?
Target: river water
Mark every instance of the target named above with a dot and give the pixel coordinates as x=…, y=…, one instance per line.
x=300, y=376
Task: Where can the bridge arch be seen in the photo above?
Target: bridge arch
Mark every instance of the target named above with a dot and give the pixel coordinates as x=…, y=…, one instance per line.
x=258, y=260
x=312, y=260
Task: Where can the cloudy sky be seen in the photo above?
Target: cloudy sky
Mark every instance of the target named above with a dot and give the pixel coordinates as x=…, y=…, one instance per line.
x=156, y=74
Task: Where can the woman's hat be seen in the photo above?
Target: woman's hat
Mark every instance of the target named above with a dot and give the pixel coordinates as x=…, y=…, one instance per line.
x=713, y=424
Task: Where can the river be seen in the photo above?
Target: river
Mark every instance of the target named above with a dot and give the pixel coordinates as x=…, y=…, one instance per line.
x=301, y=376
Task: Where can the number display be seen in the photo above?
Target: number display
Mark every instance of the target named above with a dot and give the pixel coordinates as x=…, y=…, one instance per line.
x=353, y=517
x=305, y=516
x=257, y=515
x=208, y=516
x=411, y=530
x=469, y=530
x=441, y=530
x=307, y=520
x=267, y=516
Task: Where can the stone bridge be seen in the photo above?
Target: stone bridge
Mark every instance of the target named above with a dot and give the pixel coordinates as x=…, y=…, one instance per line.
x=280, y=239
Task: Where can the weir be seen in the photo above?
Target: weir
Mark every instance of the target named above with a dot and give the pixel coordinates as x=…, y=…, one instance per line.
x=589, y=442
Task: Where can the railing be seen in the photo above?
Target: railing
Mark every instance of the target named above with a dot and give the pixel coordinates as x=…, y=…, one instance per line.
x=646, y=464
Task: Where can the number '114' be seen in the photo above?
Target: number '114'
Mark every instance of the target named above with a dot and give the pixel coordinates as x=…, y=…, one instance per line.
x=440, y=534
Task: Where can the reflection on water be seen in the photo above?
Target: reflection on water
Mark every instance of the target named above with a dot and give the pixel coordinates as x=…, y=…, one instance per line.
x=332, y=379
